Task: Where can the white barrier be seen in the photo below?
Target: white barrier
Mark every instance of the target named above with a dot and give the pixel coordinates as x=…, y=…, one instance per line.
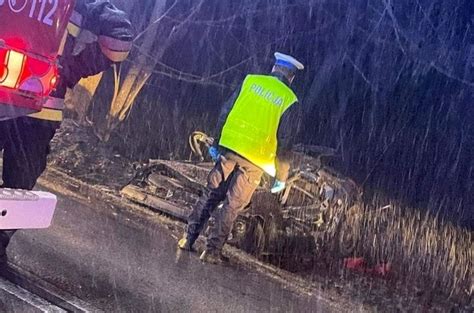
x=21, y=209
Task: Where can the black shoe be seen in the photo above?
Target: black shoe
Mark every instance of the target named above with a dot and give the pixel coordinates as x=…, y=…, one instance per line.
x=213, y=257
x=185, y=244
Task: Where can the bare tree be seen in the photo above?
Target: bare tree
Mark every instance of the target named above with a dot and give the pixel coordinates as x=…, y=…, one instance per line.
x=154, y=43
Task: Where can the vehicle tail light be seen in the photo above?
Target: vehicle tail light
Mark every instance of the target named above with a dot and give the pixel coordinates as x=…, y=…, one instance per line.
x=3, y=71
x=54, y=81
x=27, y=74
x=14, y=63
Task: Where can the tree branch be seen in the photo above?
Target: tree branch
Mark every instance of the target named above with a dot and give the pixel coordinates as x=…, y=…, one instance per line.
x=396, y=26
x=360, y=72
x=156, y=21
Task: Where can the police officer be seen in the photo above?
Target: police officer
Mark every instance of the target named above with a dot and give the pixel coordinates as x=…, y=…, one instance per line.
x=248, y=147
x=98, y=35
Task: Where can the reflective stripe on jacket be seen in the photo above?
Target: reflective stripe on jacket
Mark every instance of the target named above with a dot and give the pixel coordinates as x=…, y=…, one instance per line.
x=252, y=125
x=52, y=110
x=115, y=50
x=75, y=24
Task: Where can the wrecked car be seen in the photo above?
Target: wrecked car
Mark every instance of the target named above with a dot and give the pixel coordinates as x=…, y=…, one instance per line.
x=315, y=212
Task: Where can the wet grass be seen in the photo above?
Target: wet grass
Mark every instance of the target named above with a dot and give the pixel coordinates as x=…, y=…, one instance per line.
x=423, y=249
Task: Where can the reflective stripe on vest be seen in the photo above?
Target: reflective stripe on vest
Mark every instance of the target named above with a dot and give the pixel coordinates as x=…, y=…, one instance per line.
x=252, y=125
x=52, y=110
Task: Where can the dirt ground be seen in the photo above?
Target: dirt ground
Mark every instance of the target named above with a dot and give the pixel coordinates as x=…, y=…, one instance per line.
x=76, y=151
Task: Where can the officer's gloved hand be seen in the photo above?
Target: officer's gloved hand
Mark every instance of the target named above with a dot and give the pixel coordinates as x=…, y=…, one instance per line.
x=214, y=153
x=278, y=186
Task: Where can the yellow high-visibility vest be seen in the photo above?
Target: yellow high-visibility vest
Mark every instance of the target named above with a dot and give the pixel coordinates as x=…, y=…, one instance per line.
x=252, y=125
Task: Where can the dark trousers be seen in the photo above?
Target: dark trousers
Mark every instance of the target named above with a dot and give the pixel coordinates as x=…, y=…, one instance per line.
x=25, y=144
x=233, y=181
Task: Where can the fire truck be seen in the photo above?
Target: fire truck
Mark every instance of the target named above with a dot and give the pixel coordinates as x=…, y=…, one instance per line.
x=32, y=36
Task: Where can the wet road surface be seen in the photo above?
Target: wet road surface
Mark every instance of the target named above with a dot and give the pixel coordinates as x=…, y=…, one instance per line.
x=17, y=299
x=118, y=265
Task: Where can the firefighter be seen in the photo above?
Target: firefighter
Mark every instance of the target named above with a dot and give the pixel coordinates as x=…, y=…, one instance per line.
x=98, y=35
x=248, y=147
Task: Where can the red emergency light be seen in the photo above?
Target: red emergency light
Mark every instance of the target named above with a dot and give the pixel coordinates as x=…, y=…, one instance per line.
x=25, y=73
x=30, y=41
